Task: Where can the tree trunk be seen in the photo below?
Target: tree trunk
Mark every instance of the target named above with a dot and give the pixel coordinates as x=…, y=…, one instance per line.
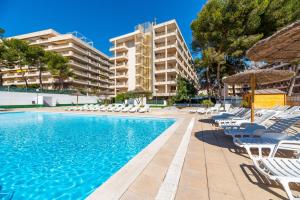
x=40, y=78
x=233, y=90
x=208, y=83
x=24, y=77
x=1, y=78
x=292, y=82
x=61, y=84
x=218, y=80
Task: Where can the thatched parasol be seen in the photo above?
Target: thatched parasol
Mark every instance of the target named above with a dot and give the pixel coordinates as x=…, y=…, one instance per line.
x=254, y=77
x=282, y=46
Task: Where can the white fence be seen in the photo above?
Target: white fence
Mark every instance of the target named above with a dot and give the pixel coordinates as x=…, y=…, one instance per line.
x=20, y=98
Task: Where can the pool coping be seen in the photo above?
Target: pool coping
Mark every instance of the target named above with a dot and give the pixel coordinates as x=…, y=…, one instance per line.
x=114, y=187
x=107, y=114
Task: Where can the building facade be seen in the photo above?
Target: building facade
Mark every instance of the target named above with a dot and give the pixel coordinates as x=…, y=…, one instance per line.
x=91, y=68
x=151, y=58
x=283, y=85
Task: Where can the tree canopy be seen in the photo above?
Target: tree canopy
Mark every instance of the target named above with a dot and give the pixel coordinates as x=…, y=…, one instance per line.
x=185, y=89
x=18, y=53
x=229, y=28
x=58, y=67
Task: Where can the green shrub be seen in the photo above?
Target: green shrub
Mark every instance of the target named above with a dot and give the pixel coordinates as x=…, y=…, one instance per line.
x=207, y=103
x=244, y=104
x=170, y=101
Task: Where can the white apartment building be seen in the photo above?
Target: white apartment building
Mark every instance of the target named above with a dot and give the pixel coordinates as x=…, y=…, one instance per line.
x=91, y=68
x=151, y=58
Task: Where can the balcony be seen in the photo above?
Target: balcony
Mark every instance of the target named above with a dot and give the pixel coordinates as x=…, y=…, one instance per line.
x=120, y=66
x=119, y=48
x=121, y=85
x=120, y=76
x=120, y=57
x=164, y=94
x=81, y=82
x=164, y=82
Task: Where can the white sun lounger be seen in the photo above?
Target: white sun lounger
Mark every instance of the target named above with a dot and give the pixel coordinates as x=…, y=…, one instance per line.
x=134, y=109
x=287, y=112
x=112, y=108
x=214, y=109
x=279, y=126
x=235, y=113
x=146, y=108
x=126, y=109
x=120, y=108
x=282, y=170
x=106, y=107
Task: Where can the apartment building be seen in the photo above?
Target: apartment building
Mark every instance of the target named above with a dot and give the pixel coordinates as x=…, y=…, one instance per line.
x=283, y=85
x=237, y=90
x=91, y=68
x=151, y=58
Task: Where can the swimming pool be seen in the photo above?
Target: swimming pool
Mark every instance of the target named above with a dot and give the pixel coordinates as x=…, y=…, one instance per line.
x=67, y=156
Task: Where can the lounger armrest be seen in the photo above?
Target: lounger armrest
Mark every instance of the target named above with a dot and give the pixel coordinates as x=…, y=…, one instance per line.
x=292, y=145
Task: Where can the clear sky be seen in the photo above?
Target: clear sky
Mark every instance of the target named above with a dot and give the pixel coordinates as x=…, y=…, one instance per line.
x=97, y=20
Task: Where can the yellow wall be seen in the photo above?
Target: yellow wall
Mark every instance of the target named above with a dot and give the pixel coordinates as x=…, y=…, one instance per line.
x=267, y=100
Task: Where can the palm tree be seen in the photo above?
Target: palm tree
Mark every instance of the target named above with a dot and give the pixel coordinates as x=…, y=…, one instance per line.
x=58, y=67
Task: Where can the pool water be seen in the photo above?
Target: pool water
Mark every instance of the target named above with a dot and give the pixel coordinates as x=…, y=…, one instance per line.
x=67, y=156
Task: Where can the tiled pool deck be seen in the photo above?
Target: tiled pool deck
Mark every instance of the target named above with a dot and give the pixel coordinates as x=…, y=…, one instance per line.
x=213, y=167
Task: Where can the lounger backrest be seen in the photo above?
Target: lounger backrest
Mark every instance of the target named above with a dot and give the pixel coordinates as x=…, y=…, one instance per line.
x=292, y=109
x=283, y=108
x=264, y=117
x=283, y=124
x=227, y=107
x=244, y=114
x=293, y=145
x=217, y=105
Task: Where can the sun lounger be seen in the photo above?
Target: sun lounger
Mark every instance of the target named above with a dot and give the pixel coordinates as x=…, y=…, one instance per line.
x=286, y=113
x=134, y=109
x=112, y=108
x=235, y=113
x=146, y=108
x=282, y=170
x=126, y=109
x=120, y=108
x=279, y=126
x=215, y=108
x=106, y=107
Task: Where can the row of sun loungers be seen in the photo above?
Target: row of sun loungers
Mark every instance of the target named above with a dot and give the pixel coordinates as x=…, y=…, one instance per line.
x=264, y=135
x=111, y=108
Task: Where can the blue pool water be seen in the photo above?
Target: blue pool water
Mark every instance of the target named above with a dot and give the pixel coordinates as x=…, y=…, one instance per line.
x=67, y=156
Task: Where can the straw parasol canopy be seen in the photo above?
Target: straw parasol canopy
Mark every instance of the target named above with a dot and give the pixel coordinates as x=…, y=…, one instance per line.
x=254, y=77
x=282, y=46
x=262, y=76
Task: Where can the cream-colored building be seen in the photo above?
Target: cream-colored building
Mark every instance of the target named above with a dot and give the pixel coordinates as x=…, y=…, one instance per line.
x=91, y=68
x=151, y=58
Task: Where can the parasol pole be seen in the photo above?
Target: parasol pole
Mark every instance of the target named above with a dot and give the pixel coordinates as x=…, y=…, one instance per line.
x=252, y=96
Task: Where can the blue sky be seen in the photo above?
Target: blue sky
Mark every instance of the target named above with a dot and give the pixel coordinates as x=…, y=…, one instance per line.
x=97, y=20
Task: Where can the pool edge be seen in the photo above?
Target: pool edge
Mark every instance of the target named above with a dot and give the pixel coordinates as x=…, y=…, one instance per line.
x=119, y=182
